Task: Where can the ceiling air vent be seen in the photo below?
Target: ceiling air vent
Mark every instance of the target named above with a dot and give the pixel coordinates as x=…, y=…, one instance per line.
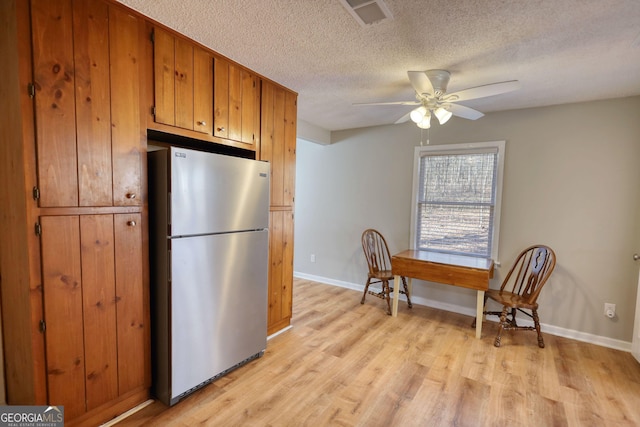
x=367, y=12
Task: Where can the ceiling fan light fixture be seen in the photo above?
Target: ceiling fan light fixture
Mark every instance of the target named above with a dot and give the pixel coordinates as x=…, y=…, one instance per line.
x=425, y=123
x=418, y=114
x=443, y=115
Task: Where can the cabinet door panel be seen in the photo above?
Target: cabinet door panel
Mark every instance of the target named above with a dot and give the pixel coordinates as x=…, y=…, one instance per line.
x=132, y=325
x=202, y=91
x=278, y=141
x=93, y=108
x=164, y=77
x=266, y=126
x=221, y=98
x=127, y=142
x=280, y=269
x=235, y=103
x=54, y=80
x=99, y=308
x=250, y=109
x=62, y=290
x=184, y=84
x=276, y=230
x=289, y=151
x=277, y=150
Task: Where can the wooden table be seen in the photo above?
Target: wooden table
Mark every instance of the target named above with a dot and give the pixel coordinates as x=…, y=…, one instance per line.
x=457, y=270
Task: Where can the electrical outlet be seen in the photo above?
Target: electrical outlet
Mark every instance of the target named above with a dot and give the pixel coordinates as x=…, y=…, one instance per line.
x=609, y=310
x=313, y=257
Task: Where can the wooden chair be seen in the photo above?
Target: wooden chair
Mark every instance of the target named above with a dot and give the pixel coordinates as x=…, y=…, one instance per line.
x=520, y=289
x=377, y=253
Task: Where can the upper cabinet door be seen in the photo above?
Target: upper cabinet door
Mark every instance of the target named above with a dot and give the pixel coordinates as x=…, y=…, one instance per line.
x=278, y=141
x=183, y=77
x=164, y=75
x=128, y=139
x=236, y=103
x=183, y=83
x=202, y=91
x=54, y=81
x=87, y=104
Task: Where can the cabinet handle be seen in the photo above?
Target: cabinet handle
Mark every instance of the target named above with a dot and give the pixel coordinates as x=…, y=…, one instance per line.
x=202, y=123
x=131, y=195
x=221, y=129
x=131, y=223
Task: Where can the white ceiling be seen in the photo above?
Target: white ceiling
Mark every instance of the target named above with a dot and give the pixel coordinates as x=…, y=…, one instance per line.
x=561, y=51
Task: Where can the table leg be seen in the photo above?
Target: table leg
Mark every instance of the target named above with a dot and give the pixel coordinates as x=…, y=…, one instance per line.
x=397, y=282
x=479, y=314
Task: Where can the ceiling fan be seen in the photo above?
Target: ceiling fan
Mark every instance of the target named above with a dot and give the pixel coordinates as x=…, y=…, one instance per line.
x=433, y=99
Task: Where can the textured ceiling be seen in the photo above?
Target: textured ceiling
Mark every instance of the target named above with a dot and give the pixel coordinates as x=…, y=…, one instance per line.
x=560, y=50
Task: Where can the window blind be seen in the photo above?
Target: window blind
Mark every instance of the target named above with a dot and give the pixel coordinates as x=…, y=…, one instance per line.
x=456, y=201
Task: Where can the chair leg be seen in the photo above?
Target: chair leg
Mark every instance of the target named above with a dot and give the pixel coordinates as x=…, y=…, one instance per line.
x=503, y=321
x=406, y=291
x=536, y=321
x=366, y=288
x=385, y=288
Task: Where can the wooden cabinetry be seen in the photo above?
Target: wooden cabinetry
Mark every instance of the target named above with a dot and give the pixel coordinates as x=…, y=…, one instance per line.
x=280, y=270
x=278, y=146
x=77, y=92
x=236, y=100
x=87, y=104
x=74, y=287
x=183, y=75
x=94, y=311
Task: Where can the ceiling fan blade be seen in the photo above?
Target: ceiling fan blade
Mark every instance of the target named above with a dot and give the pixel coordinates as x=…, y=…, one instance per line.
x=388, y=103
x=403, y=119
x=465, y=112
x=420, y=82
x=483, y=91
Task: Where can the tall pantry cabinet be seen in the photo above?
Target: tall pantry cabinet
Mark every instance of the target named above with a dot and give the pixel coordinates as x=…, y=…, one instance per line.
x=278, y=146
x=73, y=275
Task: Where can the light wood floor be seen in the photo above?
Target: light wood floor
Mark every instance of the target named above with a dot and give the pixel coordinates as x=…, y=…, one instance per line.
x=346, y=364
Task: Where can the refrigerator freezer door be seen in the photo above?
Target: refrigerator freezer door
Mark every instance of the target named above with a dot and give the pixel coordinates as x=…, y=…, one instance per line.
x=219, y=304
x=213, y=193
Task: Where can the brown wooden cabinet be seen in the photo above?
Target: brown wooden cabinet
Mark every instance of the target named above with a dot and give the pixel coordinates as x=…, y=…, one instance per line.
x=92, y=270
x=278, y=147
x=280, y=270
x=78, y=87
x=236, y=101
x=87, y=106
x=74, y=282
x=183, y=76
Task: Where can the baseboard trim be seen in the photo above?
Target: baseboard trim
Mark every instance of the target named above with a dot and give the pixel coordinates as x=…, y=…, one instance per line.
x=469, y=311
x=275, y=334
x=127, y=414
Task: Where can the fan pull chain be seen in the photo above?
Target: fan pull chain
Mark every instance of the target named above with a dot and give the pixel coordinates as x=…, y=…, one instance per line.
x=421, y=136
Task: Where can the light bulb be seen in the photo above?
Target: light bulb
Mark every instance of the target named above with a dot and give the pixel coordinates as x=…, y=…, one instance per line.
x=418, y=114
x=443, y=115
x=426, y=122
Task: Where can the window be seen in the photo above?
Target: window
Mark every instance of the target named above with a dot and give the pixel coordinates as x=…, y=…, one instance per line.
x=456, y=198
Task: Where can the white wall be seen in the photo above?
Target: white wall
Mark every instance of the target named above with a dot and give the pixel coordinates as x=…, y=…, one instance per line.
x=572, y=175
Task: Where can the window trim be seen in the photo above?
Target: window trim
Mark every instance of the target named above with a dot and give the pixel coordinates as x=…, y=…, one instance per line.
x=456, y=149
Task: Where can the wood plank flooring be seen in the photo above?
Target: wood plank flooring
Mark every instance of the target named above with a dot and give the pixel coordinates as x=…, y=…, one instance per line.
x=346, y=364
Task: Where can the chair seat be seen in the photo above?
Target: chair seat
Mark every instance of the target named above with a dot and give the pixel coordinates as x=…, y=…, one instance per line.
x=510, y=299
x=382, y=275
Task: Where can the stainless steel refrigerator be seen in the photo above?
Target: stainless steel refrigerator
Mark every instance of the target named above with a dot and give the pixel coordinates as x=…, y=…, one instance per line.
x=208, y=216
